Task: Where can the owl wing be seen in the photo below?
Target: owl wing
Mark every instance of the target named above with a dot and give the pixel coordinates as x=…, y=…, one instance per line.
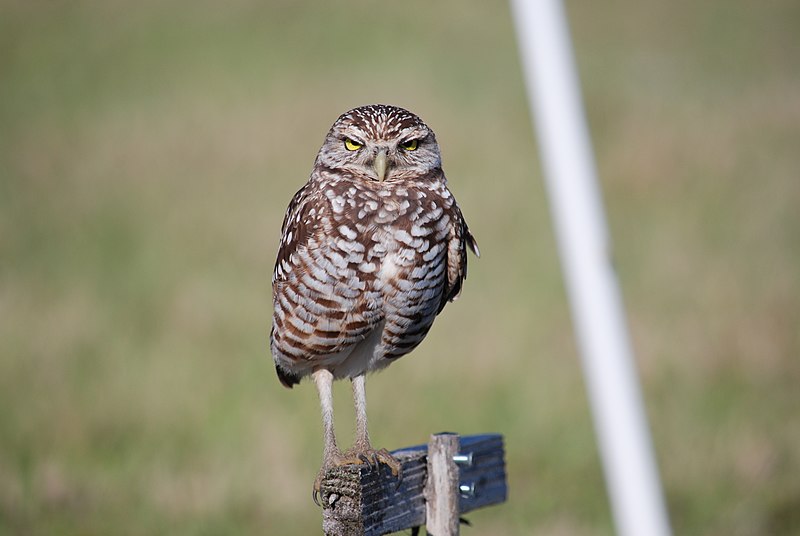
x=320, y=304
x=296, y=227
x=460, y=238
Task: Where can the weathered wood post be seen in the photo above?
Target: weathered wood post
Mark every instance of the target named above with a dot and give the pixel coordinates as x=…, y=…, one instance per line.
x=441, y=489
x=365, y=500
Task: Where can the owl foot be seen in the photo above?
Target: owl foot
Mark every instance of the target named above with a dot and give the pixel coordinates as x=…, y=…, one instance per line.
x=369, y=456
x=374, y=458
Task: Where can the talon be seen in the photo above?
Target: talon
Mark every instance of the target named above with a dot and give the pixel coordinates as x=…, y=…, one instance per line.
x=371, y=458
x=368, y=456
x=316, y=492
x=390, y=461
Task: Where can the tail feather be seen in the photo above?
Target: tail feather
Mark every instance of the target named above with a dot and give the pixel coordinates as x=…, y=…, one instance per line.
x=287, y=378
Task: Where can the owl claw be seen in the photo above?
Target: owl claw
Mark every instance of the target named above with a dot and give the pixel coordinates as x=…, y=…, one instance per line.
x=384, y=457
x=371, y=457
x=317, y=491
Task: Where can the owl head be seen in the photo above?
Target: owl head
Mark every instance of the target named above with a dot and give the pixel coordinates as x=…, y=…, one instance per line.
x=380, y=143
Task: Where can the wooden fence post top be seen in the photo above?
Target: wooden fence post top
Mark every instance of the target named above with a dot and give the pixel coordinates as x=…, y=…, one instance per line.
x=364, y=500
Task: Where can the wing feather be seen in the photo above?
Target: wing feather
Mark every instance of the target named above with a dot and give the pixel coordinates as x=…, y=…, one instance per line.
x=460, y=238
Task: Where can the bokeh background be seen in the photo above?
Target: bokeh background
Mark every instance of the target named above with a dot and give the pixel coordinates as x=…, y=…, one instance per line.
x=149, y=149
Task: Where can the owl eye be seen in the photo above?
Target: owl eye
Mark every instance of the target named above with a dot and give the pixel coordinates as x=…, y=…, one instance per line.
x=410, y=145
x=352, y=145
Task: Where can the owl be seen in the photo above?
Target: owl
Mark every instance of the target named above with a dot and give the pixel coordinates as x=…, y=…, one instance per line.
x=372, y=248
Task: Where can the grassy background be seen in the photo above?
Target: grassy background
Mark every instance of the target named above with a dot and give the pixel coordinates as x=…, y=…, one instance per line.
x=148, y=150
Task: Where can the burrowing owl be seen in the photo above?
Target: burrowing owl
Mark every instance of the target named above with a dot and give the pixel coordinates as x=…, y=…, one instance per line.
x=372, y=248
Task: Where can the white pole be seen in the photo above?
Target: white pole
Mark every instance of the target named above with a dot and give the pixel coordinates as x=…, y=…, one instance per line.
x=576, y=205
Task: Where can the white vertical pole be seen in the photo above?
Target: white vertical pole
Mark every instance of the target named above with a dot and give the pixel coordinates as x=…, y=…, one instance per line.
x=576, y=205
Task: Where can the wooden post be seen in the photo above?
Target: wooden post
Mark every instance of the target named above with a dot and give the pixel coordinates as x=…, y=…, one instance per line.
x=364, y=500
x=441, y=490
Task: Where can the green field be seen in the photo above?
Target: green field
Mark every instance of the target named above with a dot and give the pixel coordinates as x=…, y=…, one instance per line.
x=149, y=149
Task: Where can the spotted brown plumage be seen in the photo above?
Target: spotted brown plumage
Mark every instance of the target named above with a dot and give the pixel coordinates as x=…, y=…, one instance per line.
x=372, y=248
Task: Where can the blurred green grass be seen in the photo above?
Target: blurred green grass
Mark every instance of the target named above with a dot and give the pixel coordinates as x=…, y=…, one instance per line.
x=148, y=150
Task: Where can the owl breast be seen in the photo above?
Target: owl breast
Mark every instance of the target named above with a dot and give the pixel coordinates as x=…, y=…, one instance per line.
x=368, y=281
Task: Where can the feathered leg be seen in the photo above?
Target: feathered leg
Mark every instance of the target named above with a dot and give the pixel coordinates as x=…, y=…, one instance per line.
x=323, y=379
x=362, y=449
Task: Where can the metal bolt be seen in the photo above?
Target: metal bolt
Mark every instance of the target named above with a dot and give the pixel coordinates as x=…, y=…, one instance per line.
x=463, y=459
x=467, y=490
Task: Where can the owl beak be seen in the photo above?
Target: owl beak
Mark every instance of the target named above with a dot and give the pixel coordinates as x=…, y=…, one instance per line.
x=381, y=164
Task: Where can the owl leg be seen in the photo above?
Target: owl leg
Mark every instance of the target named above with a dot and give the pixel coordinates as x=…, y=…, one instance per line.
x=360, y=398
x=362, y=449
x=362, y=452
x=323, y=379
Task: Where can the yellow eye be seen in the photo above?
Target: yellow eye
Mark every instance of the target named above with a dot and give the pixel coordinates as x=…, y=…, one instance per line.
x=352, y=145
x=410, y=145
